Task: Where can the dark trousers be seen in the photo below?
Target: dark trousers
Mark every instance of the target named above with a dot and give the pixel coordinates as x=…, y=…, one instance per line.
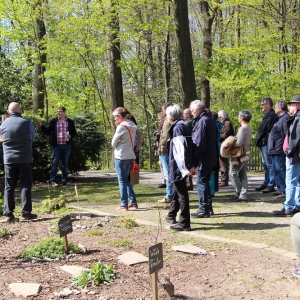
x=12, y=173
x=180, y=201
x=224, y=168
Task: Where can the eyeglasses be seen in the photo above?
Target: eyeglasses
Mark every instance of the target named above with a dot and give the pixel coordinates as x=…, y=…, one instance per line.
x=262, y=104
x=59, y=111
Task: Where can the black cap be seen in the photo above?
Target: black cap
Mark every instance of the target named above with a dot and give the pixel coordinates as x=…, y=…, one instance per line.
x=296, y=99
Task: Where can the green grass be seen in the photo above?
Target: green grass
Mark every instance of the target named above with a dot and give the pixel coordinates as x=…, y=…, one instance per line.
x=250, y=221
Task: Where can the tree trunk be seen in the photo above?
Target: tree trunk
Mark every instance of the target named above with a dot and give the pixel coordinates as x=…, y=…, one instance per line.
x=185, y=57
x=39, y=86
x=207, y=52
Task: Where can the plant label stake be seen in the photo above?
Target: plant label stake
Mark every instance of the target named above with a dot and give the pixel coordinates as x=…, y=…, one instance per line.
x=155, y=254
x=77, y=200
x=65, y=227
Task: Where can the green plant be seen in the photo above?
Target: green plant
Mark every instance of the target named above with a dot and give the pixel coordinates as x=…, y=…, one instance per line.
x=95, y=232
x=128, y=223
x=99, y=273
x=122, y=243
x=49, y=248
x=103, y=241
x=4, y=232
x=51, y=204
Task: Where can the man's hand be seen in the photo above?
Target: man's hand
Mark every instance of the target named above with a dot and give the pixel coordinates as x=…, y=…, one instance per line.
x=193, y=171
x=39, y=122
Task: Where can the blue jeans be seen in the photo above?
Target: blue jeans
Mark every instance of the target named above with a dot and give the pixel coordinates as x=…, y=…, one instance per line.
x=203, y=190
x=169, y=185
x=12, y=173
x=267, y=163
x=278, y=166
x=292, y=191
x=60, y=152
x=239, y=179
x=126, y=191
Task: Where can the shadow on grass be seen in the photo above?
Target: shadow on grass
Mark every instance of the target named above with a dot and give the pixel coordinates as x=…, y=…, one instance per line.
x=237, y=226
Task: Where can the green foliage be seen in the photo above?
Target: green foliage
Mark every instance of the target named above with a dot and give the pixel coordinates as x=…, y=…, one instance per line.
x=88, y=143
x=100, y=273
x=49, y=248
x=51, y=204
x=128, y=223
x=4, y=231
x=95, y=232
x=122, y=243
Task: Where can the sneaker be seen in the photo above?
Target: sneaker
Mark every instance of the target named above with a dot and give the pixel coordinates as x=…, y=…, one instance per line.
x=277, y=193
x=268, y=189
x=281, y=195
x=283, y=212
x=120, y=207
x=162, y=186
x=296, y=271
x=200, y=215
x=10, y=217
x=29, y=216
x=170, y=220
x=133, y=206
x=180, y=227
x=54, y=184
x=262, y=187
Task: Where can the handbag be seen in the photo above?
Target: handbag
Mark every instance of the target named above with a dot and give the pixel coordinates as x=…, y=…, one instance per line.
x=134, y=170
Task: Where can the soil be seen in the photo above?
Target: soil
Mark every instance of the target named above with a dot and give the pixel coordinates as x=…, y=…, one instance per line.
x=227, y=271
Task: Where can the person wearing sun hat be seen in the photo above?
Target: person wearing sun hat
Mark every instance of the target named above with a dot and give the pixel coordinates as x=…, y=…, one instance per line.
x=291, y=148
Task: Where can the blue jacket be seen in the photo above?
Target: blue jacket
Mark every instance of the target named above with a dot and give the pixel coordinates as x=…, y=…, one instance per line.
x=179, y=128
x=204, y=135
x=277, y=135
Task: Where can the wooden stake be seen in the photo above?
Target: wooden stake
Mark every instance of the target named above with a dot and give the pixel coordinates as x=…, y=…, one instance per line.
x=154, y=286
x=66, y=245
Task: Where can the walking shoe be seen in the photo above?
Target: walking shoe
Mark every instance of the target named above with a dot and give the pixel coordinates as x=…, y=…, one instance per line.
x=223, y=184
x=237, y=199
x=165, y=200
x=54, y=184
x=268, y=189
x=262, y=187
x=10, y=217
x=170, y=220
x=211, y=212
x=133, y=206
x=29, y=216
x=120, y=207
x=284, y=212
x=296, y=271
x=180, y=227
x=200, y=215
x=277, y=193
x=162, y=186
x=281, y=195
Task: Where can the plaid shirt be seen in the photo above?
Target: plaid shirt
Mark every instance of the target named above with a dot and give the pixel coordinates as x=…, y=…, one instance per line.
x=62, y=131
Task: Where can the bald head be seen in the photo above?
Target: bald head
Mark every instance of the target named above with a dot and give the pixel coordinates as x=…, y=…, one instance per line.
x=14, y=107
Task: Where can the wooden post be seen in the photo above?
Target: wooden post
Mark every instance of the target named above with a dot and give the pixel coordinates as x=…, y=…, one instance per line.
x=154, y=286
x=66, y=244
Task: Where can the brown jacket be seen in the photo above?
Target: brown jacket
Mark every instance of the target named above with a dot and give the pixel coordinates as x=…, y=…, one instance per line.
x=164, y=136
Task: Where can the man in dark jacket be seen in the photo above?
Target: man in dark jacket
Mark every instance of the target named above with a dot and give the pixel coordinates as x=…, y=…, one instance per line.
x=17, y=136
x=180, y=165
x=261, y=141
x=291, y=147
x=187, y=117
x=205, y=155
x=62, y=131
x=275, y=143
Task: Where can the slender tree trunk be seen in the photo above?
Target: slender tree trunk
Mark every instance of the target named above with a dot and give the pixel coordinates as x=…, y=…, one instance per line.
x=207, y=52
x=185, y=57
x=39, y=86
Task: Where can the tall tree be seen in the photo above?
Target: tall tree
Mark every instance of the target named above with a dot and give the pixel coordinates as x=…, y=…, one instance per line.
x=184, y=52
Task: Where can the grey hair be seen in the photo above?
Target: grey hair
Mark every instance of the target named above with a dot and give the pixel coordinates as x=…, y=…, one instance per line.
x=245, y=114
x=174, y=112
x=197, y=104
x=223, y=113
x=282, y=104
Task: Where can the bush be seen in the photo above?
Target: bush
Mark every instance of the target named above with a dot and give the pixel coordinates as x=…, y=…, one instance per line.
x=49, y=248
